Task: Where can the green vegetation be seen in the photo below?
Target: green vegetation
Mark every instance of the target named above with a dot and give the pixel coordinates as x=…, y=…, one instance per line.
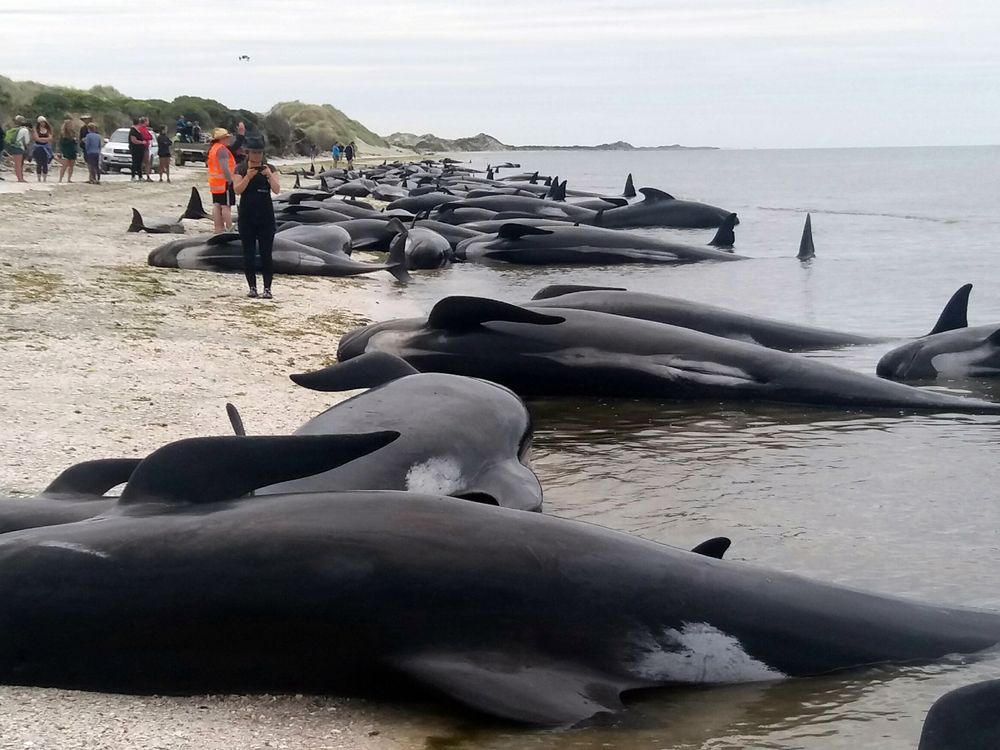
x=290, y=127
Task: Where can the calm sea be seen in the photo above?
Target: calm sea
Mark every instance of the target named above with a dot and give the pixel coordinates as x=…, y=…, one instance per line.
x=904, y=505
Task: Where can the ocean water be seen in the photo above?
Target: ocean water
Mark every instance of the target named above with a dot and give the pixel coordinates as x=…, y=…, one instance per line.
x=904, y=505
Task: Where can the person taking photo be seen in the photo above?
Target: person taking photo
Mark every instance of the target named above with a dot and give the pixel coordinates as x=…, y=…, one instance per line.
x=254, y=182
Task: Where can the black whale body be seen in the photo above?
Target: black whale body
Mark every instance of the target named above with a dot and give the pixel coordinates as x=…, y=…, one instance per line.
x=565, y=352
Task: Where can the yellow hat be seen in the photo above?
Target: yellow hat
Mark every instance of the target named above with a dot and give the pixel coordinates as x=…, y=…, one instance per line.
x=219, y=133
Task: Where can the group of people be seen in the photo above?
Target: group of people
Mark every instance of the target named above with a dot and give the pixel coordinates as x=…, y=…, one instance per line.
x=187, y=131
x=39, y=143
x=141, y=141
x=254, y=180
x=348, y=152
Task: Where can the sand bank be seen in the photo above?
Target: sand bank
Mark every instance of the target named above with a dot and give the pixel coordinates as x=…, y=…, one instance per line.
x=104, y=356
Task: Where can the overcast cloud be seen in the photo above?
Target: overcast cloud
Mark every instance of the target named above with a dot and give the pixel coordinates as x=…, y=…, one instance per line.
x=737, y=73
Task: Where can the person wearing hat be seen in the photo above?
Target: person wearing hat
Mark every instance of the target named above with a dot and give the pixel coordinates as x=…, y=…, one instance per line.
x=16, y=144
x=42, y=152
x=255, y=181
x=221, y=166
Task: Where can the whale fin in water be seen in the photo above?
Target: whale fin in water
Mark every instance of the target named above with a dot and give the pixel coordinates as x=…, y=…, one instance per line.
x=725, y=237
x=459, y=312
x=806, y=248
x=136, y=225
x=558, y=290
x=956, y=312
x=652, y=195
x=555, y=695
x=715, y=547
x=214, y=469
x=517, y=231
x=93, y=478
x=365, y=371
x=629, y=191
x=195, y=209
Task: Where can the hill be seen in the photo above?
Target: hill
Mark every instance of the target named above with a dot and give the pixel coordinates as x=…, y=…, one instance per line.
x=429, y=143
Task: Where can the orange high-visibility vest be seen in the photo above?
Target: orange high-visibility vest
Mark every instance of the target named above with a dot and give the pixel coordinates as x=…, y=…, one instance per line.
x=216, y=179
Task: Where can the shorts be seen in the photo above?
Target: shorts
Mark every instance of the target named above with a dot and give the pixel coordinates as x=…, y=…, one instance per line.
x=227, y=198
x=163, y=154
x=14, y=150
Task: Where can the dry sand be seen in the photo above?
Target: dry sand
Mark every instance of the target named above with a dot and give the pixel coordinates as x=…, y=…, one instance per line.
x=104, y=356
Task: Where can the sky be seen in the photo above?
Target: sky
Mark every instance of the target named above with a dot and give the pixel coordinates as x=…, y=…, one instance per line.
x=729, y=73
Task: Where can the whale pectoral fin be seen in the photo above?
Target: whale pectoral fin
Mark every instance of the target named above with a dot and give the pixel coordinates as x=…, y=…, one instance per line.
x=235, y=420
x=652, y=195
x=460, y=312
x=529, y=693
x=558, y=290
x=715, y=547
x=365, y=371
x=956, y=312
x=213, y=469
x=93, y=478
x=517, y=231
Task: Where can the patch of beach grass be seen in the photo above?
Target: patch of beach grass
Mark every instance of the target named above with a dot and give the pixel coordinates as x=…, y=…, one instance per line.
x=31, y=285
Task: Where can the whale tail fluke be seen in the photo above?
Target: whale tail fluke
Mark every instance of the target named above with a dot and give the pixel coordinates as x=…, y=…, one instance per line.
x=806, y=248
x=195, y=209
x=365, y=371
x=715, y=547
x=725, y=237
x=215, y=469
x=629, y=191
x=956, y=312
x=136, y=225
x=92, y=478
x=397, y=254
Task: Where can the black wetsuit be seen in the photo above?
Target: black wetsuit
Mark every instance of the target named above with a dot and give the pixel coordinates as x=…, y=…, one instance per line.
x=137, y=152
x=256, y=222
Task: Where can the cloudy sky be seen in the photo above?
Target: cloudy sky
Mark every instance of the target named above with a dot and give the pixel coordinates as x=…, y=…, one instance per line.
x=735, y=73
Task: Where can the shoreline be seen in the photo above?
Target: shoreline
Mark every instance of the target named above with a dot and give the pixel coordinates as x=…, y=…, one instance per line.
x=105, y=357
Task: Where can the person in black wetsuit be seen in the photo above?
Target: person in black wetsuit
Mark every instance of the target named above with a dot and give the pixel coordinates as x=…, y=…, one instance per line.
x=254, y=182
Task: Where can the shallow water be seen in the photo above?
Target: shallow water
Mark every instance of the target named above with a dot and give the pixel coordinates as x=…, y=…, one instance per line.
x=904, y=505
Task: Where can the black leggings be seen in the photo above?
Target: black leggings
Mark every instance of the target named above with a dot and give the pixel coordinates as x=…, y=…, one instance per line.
x=137, y=154
x=257, y=236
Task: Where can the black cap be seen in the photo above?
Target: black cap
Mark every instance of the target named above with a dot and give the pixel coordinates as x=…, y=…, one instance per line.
x=254, y=143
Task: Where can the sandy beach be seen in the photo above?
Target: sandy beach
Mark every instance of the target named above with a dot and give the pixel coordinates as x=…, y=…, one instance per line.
x=104, y=356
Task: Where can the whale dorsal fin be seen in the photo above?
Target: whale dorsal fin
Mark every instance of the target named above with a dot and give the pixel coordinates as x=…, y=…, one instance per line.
x=806, y=248
x=213, y=469
x=629, y=191
x=725, y=237
x=532, y=693
x=652, y=194
x=194, y=209
x=93, y=478
x=517, y=231
x=994, y=338
x=558, y=290
x=458, y=312
x=136, y=225
x=365, y=371
x=235, y=420
x=298, y=182
x=715, y=547
x=956, y=312
x=222, y=238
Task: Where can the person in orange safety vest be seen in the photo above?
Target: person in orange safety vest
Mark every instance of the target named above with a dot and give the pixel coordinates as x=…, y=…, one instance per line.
x=221, y=166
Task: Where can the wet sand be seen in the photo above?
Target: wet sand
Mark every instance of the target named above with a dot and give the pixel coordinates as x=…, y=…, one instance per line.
x=104, y=356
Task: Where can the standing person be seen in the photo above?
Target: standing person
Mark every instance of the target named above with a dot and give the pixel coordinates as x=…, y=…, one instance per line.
x=335, y=153
x=196, y=132
x=163, y=144
x=92, y=153
x=255, y=181
x=220, y=180
x=84, y=130
x=349, y=153
x=17, y=144
x=147, y=138
x=136, y=149
x=238, y=146
x=67, y=149
x=42, y=152
x=183, y=128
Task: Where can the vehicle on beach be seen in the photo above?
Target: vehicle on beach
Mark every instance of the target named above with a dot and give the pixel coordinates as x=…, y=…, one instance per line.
x=185, y=152
x=115, y=154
